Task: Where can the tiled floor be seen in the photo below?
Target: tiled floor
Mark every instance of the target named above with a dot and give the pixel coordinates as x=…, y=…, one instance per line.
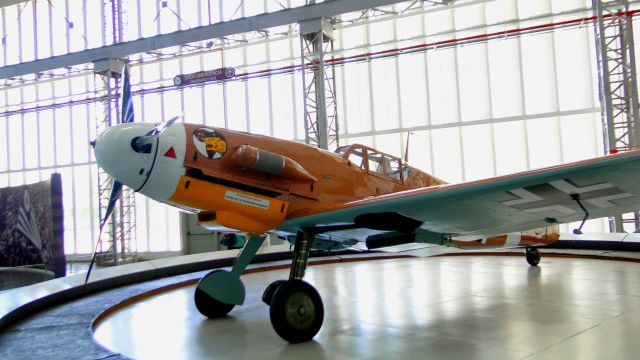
x=482, y=307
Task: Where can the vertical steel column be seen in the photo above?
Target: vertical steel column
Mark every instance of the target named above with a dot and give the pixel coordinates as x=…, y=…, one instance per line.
x=318, y=84
x=617, y=84
x=120, y=232
x=106, y=251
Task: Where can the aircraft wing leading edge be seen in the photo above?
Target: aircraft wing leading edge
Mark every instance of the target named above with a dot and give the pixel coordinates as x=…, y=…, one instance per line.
x=523, y=201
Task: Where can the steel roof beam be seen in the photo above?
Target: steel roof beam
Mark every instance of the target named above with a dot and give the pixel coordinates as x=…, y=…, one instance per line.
x=243, y=25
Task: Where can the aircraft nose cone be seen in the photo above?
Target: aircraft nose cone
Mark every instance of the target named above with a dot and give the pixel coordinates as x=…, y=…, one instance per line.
x=115, y=155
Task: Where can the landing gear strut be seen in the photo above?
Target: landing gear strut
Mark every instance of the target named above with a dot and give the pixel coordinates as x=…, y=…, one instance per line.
x=533, y=256
x=295, y=307
x=220, y=290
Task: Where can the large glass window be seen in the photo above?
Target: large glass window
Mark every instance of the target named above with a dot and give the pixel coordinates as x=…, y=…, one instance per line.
x=464, y=112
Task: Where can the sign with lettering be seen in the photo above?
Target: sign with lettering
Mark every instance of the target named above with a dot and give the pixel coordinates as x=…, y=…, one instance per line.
x=204, y=76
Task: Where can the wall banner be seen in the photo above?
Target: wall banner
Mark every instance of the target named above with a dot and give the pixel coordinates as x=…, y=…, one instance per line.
x=31, y=226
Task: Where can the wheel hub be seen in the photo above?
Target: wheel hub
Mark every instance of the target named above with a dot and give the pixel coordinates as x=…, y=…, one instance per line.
x=299, y=311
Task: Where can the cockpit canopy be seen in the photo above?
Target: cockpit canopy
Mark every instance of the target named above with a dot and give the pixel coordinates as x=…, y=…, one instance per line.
x=375, y=162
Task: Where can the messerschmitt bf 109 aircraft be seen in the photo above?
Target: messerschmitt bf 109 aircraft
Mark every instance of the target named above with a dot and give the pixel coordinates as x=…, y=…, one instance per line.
x=355, y=196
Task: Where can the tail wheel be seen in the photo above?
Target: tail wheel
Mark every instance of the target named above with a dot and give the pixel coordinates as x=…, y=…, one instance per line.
x=207, y=305
x=296, y=311
x=533, y=256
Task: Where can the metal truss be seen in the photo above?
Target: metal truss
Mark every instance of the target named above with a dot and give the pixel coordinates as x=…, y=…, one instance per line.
x=218, y=30
x=120, y=231
x=617, y=84
x=318, y=81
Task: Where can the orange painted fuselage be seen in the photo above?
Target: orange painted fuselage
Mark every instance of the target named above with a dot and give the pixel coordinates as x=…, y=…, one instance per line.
x=253, y=183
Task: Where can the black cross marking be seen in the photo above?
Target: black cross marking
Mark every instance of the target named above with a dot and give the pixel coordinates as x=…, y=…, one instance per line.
x=556, y=196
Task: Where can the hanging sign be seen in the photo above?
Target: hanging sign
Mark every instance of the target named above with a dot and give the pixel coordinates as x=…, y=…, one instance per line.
x=204, y=76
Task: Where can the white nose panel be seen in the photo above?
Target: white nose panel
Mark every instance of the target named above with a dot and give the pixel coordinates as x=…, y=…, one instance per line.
x=116, y=156
x=169, y=165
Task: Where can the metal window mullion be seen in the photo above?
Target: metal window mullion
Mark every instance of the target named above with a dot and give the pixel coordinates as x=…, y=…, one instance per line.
x=73, y=166
x=53, y=114
x=66, y=23
x=179, y=16
x=166, y=228
x=147, y=205
x=182, y=90
x=202, y=95
x=84, y=29
x=38, y=149
x=491, y=127
x=246, y=83
x=372, y=119
x=428, y=96
x=269, y=84
x=35, y=31
x=247, y=96
x=524, y=104
x=74, y=213
x=24, y=164
x=557, y=87
x=6, y=131
x=398, y=90
x=20, y=38
x=344, y=98
x=138, y=12
x=104, y=24
x=591, y=85
x=22, y=144
x=146, y=198
x=458, y=102
x=4, y=38
x=225, y=105
x=163, y=116
x=91, y=182
x=158, y=19
x=199, y=13
x=293, y=83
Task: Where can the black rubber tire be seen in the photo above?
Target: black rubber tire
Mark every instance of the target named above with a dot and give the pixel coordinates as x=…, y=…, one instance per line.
x=533, y=256
x=296, y=311
x=270, y=290
x=209, y=306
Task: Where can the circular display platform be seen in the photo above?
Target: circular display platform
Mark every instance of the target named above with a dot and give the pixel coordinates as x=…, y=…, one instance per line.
x=444, y=307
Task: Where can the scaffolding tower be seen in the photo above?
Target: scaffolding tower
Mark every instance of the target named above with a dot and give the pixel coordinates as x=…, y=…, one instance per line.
x=120, y=230
x=617, y=85
x=318, y=82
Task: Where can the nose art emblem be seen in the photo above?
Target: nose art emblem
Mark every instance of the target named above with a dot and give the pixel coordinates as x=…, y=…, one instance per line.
x=170, y=153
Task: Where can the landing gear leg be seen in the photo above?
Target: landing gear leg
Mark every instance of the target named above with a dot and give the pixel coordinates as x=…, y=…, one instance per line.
x=220, y=290
x=533, y=256
x=295, y=307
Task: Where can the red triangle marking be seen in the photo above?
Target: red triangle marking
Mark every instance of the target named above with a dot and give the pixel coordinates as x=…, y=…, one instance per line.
x=170, y=153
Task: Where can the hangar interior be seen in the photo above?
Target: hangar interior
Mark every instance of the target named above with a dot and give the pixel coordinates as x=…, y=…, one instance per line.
x=464, y=90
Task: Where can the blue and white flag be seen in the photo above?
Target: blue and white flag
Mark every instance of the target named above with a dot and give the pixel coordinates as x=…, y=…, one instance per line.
x=127, y=102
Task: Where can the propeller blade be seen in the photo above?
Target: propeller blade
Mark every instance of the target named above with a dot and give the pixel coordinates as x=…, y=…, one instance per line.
x=154, y=133
x=116, y=190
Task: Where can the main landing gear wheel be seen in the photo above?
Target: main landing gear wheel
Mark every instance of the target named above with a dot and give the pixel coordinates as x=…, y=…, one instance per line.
x=270, y=290
x=296, y=311
x=207, y=305
x=533, y=256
